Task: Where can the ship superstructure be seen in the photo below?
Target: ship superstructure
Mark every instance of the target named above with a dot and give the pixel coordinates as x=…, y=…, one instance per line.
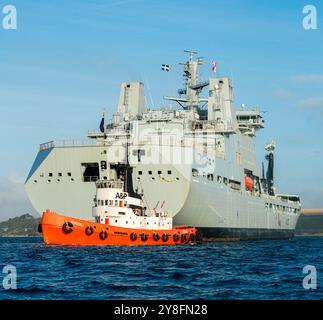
x=197, y=161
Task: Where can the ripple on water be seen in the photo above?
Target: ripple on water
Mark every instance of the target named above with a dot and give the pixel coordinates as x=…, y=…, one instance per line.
x=228, y=270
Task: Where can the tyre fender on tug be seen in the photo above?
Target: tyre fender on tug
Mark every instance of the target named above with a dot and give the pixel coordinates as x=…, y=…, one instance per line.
x=184, y=237
x=175, y=237
x=68, y=227
x=133, y=236
x=103, y=235
x=89, y=230
x=144, y=237
x=165, y=237
x=192, y=237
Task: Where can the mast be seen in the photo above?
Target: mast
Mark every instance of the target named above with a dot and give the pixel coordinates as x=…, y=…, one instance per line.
x=270, y=148
x=193, y=88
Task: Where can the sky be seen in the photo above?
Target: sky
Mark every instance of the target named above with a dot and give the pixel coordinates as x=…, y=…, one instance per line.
x=64, y=64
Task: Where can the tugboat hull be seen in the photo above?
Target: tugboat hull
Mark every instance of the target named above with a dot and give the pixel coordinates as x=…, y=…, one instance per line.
x=62, y=230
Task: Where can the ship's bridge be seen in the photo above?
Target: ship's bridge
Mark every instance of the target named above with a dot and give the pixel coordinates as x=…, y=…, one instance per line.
x=249, y=121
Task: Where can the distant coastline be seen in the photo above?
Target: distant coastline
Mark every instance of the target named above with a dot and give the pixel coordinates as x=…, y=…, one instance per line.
x=312, y=211
x=23, y=226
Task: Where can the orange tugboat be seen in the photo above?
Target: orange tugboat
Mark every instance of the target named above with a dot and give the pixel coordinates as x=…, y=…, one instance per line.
x=120, y=219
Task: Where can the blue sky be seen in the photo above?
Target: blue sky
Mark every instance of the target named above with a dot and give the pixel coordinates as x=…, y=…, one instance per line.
x=65, y=62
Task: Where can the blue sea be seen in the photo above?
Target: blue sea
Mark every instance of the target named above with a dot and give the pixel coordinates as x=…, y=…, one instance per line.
x=223, y=270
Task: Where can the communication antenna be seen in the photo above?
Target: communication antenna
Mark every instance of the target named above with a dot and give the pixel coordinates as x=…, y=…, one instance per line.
x=191, y=52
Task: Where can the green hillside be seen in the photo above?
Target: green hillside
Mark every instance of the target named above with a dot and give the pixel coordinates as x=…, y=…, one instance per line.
x=25, y=225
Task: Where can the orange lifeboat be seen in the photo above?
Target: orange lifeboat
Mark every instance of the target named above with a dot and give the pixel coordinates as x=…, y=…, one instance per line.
x=248, y=183
x=120, y=219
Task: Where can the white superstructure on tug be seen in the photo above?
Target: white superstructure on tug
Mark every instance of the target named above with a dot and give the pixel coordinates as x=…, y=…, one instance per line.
x=114, y=206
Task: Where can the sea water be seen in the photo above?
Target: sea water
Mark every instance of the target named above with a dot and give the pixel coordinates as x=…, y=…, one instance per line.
x=271, y=269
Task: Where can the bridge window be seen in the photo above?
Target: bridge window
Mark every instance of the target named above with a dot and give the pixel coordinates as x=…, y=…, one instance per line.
x=169, y=171
x=69, y=174
x=210, y=177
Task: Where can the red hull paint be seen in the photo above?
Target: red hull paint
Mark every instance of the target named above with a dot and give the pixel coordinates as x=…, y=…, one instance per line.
x=53, y=233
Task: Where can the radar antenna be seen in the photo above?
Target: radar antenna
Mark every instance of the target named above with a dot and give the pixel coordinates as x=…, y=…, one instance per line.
x=191, y=52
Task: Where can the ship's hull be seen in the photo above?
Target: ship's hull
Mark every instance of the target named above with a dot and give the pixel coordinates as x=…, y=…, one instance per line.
x=226, y=214
x=68, y=231
x=212, y=206
x=232, y=234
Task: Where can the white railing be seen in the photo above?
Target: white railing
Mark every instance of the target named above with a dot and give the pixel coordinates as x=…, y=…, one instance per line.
x=66, y=143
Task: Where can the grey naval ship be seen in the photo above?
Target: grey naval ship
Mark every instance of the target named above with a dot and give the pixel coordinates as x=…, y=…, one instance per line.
x=195, y=160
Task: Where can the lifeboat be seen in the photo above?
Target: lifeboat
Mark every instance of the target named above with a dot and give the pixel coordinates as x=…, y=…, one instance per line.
x=248, y=183
x=120, y=218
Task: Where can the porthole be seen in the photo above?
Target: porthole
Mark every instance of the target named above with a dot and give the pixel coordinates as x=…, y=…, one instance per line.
x=58, y=180
x=177, y=179
x=48, y=181
x=35, y=181
x=72, y=179
x=152, y=178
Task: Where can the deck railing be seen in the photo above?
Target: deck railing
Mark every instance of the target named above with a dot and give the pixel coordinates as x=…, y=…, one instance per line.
x=66, y=143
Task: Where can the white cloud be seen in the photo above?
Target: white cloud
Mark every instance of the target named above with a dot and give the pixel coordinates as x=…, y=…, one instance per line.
x=283, y=94
x=308, y=79
x=311, y=103
x=13, y=199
